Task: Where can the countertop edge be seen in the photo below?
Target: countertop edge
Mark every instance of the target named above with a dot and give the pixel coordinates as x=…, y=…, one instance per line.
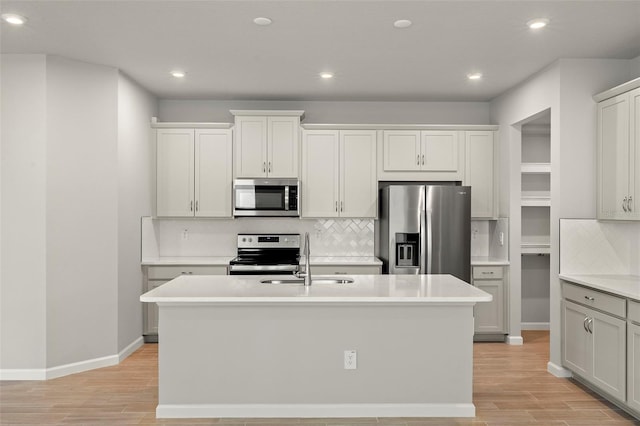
x=602, y=282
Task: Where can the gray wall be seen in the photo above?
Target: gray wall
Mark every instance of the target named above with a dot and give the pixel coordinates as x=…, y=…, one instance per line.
x=334, y=112
x=135, y=183
x=82, y=208
x=23, y=216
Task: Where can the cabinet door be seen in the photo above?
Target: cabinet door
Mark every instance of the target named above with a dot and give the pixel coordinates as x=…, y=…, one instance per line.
x=320, y=160
x=633, y=366
x=613, y=156
x=174, y=172
x=479, y=172
x=282, y=146
x=251, y=146
x=150, y=311
x=489, y=316
x=608, y=345
x=401, y=150
x=358, y=185
x=440, y=151
x=576, y=342
x=634, y=131
x=213, y=182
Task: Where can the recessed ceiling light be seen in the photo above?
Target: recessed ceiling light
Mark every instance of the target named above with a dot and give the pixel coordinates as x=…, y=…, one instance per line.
x=402, y=23
x=326, y=75
x=474, y=76
x=178, y=73
x=536, y=24
x=262, y=21
x=14, y=19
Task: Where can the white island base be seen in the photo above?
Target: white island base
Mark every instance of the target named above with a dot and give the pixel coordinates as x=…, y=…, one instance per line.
x=232, y=348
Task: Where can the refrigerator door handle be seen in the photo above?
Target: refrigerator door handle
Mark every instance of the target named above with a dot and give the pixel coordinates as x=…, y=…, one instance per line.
x=429, y=241
x=423, y=243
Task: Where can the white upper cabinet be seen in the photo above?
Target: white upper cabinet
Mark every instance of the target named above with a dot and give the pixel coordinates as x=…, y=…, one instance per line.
x=193, y=172
x=422, y=155
x=266, y=145
x=618, y=171
x=479, y=173
x=339, y=173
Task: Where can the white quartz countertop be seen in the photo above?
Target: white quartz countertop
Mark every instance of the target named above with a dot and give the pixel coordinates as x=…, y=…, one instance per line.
x=488, y=261
x=390, y=289
x=224, y=260
x=179, y=260
x=622, y=285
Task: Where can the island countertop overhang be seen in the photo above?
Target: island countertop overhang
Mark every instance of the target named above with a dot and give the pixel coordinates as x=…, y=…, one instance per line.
x=366, y=289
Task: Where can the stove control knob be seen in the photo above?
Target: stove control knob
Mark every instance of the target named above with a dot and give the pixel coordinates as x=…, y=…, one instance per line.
x=244, y=239
x=250, y=239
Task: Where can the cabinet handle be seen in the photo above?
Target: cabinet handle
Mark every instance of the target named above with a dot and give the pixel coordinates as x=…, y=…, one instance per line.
x=629, y=205
x=186, y=273
x=341, y=206
x=423, y=159
x=269, y=166
x=196, y=205
x=590, y=325
x=591, y=299
x=487, y=273
x=336, y=206
x=624, y=204
x=191, y=205
x=584, y=324
x=418, y=159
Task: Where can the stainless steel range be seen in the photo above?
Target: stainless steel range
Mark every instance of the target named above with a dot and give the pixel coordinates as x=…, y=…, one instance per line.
x=264, y=254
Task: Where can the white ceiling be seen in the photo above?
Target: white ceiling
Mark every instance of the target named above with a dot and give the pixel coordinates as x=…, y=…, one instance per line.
x=227, y=56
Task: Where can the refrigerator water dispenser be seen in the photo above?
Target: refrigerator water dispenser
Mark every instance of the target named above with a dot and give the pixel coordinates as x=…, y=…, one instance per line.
x=407, y=249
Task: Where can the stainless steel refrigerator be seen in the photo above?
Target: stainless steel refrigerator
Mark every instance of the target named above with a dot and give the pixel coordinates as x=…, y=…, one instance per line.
x=426, y=229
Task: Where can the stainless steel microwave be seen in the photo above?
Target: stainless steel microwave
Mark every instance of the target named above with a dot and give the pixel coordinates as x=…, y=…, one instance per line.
x=266, y=197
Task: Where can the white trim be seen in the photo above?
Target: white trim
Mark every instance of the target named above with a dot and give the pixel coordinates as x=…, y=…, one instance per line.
x=79, y=367
x=328, y=126
x=155, y=124
x=260, y=112
x=515, y=340
x=314, y=410
x=66, y=369
x=23, y=374
x=131, y=348
x=618, y=90
x=534, y=326
x=558, y=370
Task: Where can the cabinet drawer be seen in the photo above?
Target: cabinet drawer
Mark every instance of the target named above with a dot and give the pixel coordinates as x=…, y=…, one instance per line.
x=596, y=299
x=170, y=272
x=487, y=272
x=634, y=311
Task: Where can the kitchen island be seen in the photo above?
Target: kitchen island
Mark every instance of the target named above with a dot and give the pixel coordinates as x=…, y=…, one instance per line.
x=231, y=346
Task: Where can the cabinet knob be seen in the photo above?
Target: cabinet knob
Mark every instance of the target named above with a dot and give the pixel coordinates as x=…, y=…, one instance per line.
x=589, y=298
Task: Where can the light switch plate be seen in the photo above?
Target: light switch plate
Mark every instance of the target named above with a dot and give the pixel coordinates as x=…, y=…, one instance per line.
x=350, y=360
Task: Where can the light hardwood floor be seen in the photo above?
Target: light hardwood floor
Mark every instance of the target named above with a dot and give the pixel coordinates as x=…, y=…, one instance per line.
x=511, y=387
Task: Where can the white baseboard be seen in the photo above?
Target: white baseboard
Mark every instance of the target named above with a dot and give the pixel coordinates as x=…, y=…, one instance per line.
x=313, y=410
x=558, y=370
x=534, y=326
x=23, y=374
x=515, y=340
x=75, y=367
x=131, y=348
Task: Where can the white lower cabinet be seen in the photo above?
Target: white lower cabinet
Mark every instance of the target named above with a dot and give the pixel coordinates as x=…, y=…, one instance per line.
x=155, y=276
x=346, y=269
x=633, y=356
x=594, y=339
x=490, y=318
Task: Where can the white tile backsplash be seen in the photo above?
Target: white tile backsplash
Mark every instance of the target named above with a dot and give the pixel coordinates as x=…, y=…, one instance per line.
x=588, y=246
x=217, y=237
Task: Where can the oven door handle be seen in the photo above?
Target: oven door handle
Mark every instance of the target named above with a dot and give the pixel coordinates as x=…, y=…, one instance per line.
x=265, y=268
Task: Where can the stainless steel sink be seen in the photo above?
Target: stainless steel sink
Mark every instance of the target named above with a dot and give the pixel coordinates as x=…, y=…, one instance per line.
x=319, y=280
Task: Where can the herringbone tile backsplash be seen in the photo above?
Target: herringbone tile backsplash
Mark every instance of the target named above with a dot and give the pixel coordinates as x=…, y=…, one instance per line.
x=215, y=237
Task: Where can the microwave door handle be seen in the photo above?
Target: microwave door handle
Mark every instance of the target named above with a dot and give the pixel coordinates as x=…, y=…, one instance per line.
x=286, y=197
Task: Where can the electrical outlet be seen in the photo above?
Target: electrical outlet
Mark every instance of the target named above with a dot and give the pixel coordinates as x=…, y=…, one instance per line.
x=475, y=233
x=350, y=360
x=185, y=234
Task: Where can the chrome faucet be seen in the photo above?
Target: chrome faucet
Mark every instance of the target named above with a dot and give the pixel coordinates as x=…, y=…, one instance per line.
x=307, y=265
